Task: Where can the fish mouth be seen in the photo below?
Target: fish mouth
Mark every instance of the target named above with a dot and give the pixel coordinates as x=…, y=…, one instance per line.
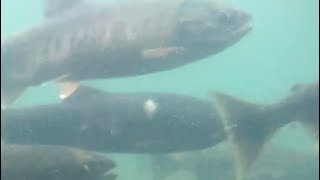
x=105, y=173
x=241, y=31
x=109, y=173
x=109, y=176
x=101, y=167
x=247, y=24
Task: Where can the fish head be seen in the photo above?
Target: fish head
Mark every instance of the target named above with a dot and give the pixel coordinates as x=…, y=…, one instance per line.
x=98, y=163
x=91, y=165
x=210, y=27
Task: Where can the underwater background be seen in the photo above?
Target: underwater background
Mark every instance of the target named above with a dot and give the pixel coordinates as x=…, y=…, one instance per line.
x=280, y=51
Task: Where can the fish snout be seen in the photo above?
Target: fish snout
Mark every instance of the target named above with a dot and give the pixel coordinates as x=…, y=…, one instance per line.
x=235, y=19
x=100, y=164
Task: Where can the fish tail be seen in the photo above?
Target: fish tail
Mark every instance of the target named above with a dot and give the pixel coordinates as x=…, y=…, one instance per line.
x=248, y=127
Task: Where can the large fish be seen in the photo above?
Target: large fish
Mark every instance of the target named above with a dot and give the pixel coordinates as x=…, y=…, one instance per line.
x=117, y=122
x=159, y=123
x=79, y=41
x=40, y=162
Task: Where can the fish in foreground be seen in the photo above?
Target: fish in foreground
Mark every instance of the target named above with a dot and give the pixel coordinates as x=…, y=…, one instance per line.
x=117, y=122
x=81, y=41
x=47, y=162
x=159, y=122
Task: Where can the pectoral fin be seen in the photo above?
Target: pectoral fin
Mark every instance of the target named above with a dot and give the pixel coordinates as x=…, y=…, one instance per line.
x=68, y=88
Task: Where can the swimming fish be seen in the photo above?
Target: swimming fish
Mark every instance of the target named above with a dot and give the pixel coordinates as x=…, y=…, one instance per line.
x=158, y=122
x=82, y=41
x=138, y=122
x=39, y=162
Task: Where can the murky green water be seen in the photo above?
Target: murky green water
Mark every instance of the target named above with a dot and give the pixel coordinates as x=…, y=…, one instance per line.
x=282, y=50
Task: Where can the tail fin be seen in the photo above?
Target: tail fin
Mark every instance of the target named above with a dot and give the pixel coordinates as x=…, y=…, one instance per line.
x=248, y=127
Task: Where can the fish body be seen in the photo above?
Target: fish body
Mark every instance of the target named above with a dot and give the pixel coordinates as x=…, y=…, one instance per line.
x=39, y=162
x=160, y=123
x=154, y=122
x=117, y=122
x=81, y=41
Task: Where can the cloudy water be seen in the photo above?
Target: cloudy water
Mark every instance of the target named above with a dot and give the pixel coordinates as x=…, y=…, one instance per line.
x=259, y=69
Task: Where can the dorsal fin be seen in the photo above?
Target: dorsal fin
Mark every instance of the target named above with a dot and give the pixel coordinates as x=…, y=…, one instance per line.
x=54, y=8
